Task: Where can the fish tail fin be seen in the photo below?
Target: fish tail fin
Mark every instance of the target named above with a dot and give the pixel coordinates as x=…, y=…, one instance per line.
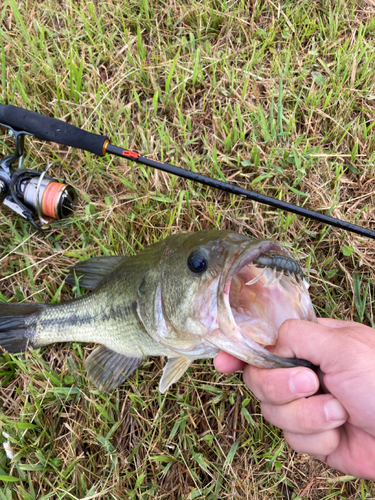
x=18, y=326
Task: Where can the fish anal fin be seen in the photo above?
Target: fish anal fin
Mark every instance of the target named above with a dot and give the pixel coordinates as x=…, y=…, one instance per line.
x=90, y=272
x=172, y=371
x=108, y=369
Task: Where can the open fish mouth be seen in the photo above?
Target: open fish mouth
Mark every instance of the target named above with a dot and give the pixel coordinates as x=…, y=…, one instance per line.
x=263, y=287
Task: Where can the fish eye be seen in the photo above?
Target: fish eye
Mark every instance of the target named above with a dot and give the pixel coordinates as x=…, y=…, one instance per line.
x=197, y=261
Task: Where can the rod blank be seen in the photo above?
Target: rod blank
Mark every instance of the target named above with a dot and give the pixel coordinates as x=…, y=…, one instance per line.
x=230, y=188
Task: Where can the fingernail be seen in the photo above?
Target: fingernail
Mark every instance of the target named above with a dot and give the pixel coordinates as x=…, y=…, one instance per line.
x=335, y=411
x=303, y=382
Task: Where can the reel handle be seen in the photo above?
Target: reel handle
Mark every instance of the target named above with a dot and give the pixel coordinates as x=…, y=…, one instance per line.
x=50, y=129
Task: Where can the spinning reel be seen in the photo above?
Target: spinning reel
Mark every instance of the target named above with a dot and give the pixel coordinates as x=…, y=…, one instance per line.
x=30, y=193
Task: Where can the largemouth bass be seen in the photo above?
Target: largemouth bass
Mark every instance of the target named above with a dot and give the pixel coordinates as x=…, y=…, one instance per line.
x=185, y=297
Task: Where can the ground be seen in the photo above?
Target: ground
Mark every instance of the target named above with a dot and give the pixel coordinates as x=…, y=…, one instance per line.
x=274, y=96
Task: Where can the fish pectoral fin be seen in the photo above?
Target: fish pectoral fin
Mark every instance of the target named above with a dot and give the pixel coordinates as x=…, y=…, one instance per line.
x=108, y=369
x=172, y=371
x=90, y=272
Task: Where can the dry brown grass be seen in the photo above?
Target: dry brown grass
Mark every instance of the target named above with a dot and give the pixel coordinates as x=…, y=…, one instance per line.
x=106, y=67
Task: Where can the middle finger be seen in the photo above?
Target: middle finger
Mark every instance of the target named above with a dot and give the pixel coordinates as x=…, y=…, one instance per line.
x=307, y=415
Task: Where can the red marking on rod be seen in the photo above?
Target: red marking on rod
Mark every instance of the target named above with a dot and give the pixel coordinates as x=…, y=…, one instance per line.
x=130, y=154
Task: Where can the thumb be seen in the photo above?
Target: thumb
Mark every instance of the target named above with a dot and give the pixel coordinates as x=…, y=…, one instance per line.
x=336, y=323
x=318, y=343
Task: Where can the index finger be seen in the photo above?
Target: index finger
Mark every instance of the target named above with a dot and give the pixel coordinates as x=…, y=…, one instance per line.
x=280, y=385
x=226, y=363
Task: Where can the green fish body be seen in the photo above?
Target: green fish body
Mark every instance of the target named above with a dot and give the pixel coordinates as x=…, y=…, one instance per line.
x=185, y=297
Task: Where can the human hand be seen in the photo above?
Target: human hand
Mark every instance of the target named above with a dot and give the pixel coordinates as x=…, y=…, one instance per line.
x=336, y=423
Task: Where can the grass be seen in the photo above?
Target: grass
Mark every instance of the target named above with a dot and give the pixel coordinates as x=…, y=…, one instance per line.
x=274, y=96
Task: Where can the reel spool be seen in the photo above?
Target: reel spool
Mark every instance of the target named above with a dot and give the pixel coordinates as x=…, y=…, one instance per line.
x=42, y=195
x=55, y=199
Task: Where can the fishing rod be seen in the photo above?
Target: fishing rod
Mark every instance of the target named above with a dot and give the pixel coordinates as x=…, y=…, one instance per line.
x=41, y=199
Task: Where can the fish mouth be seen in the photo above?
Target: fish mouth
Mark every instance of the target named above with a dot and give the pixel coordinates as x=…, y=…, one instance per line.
x=263, y=287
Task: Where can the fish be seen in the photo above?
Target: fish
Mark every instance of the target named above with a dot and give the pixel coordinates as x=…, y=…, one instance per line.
x=185, y=298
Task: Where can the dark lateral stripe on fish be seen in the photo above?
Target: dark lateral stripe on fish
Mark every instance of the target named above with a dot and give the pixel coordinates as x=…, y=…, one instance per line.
x=19, y=322
x=112, y=313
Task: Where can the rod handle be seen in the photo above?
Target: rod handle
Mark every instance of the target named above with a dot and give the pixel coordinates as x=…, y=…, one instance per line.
x=50, y=129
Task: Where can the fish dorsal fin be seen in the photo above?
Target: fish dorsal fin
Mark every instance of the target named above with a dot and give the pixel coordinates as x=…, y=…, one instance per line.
x=90, y=272
x=172, y=371
x=108, y=369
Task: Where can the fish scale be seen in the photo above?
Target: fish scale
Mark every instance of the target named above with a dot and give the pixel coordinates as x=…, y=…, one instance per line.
x=172, y=299
x=94, y=319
